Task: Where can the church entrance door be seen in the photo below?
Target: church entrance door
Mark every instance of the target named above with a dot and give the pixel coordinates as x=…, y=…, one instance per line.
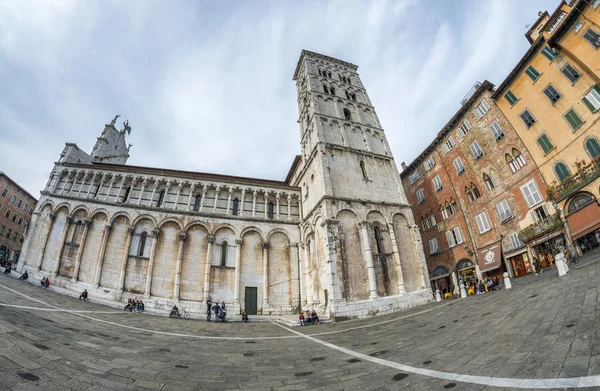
x=251, y=300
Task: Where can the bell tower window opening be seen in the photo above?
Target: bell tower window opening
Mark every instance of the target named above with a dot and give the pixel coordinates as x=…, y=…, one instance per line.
x=97, y=189
x=270, y=211
x=325, y=89
x=236, y=204
x=224, y=253
x=142, y=244
x=332, y=90
x=197, y=201
x=364, y=172
x=347, y=114
x=161, y=198
x=126, y=196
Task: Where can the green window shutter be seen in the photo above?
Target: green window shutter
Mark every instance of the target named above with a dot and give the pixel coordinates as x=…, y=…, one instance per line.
x=545, y=143
x=593, y=147
x=532, y=73
x=549, y=53
x=596, y=88
x=573, y=119
x=589, y=104
x=510, y=97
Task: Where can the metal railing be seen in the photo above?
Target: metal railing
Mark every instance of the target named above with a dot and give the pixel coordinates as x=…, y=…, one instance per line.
x=550, y=224
x=575, y=182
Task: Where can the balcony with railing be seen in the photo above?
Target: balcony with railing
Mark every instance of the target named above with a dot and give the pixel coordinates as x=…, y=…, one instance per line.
x=550, y=224
x=583, y=177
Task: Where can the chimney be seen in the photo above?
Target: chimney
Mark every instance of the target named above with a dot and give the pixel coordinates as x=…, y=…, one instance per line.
x=403, y=166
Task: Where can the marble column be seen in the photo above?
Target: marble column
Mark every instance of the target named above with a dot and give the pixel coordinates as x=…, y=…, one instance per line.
x=154, y=188
x=301, y=269
x=211, y=242
x=192, y=188
x=203, y=198
x=308, y=275
x=254, y=204
x=72, y=184
x=228, y=201
x=265, y=253
x=100, y=182
x=29, y=235
x=155, y=236
x=86, y=228
x=100, y=260
x=112, y=182
x=369, y=260
x=289, y=207
x=92, y=180
x=397, y=261
x=277, y=207
x=59, y=177
x=120, y=189
x=125, y=258
x=266, y=205
x=241, y=208
x=177, y=288
x=61, y=244
x=238, y=265
x=179, y=187
x=144, y=184
x=217, y=190
x=51, y=216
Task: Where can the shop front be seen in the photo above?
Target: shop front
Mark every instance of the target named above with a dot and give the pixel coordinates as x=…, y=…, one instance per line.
x=490, y=260
x=583, y=219
x=465, y=268
x=440, y=280
x=545, y=247
x=520, y=263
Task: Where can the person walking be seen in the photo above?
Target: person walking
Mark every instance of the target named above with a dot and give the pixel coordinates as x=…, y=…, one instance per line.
x=536, y=263
x=208, y=309
x=216, y=309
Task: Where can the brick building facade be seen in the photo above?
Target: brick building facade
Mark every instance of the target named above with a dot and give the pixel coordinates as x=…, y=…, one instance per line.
x=16, y=208
x=471, y=191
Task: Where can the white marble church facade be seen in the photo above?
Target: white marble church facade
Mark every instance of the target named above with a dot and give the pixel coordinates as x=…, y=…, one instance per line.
x=337, y=235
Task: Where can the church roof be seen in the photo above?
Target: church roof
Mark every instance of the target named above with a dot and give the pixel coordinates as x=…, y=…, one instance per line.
x=318, y=55
x=183, y=174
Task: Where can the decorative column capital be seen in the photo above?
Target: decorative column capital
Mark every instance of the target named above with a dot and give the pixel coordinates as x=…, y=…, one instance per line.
x=211, y=239
x=156, y=185
x=155, y=233
x=364, y=224
x=254, y=194
x=182, y=236
x=52, y=216
x=277, y=196
x=329, y=222
x=130, y=230
x=265, y=245
x=239, y=242
x=108, y=227
x=69, y=219
x=300, y=245
x=230, y=191
x=87, y=222
x=180, y=186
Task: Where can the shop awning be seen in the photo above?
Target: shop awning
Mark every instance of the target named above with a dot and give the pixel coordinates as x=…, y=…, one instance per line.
x=545, y=238
x=490, y=257
x=584, y=221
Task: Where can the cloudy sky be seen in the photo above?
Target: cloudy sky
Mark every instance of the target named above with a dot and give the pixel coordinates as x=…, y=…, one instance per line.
x=207, y=85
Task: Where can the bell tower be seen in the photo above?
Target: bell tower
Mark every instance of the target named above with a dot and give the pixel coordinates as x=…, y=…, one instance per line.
x=111, y=146
x=361, y=242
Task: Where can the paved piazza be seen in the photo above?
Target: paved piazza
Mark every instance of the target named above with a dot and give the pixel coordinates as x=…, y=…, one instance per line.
x=542, y=334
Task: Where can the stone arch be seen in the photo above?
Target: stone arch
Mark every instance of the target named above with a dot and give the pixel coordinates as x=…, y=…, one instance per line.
x=73, y=242
x=89, y=258
x=578, y=201
x=194, y=223
x=279, y=269
x=120, y=214
x=144, y=216
x=42, y=230
x=221, y=288
x=352, y=266
x=281, y=231
x=383, y=256
x=194, y=261
x=80, y=207
x=225, y=225
x=47, y=203
x=407, y=248
x=252, y=229
x=320, y=261
x=168, y=220
x=115, y=248
x=165, y=259
x=139, y=255
x=54, y=240
x=63, y=205
x=590, y=145
x=251, y=274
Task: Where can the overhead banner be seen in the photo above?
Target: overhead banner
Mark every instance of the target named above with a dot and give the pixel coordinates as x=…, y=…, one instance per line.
x=490, y=257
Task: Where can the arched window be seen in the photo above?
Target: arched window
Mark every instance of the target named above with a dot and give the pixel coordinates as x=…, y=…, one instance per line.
x=325, y=89
x=472, y=192
x=332, y=90
x=320, y=73
x=97, y=189
x=515, y=161
x=270, y=211
x=77, y=227
x=197, y=202
x=347, y=95
x=378, y=240
x=488, y=181
x=561, y=171
x=161, y=198
x=353, y=96
x=224, y=253
x=236, y=204
x=347, y=114
x=126, y=196
x=348, y=81
x=328, y=73
x=593, y=147
x=579, y=202
x=142, y=244
x=364, y=172
x=444, y=212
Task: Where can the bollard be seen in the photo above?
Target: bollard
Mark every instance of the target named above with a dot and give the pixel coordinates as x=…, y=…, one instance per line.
x=463, y=291
x=438, y=297
x=507, y=283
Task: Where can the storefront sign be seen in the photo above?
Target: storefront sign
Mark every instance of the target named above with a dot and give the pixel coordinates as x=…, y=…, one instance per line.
x=545, y=238
x=490, y=257
x=585, y=220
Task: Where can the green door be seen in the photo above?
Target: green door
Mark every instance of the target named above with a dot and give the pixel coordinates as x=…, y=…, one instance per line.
x=251, y=300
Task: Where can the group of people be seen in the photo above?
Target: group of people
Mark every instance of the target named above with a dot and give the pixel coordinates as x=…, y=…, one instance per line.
x=8, y=267
x=480, y=287
x=45, y=283
x=309, y=317
x=220, y=311
x=134, y=305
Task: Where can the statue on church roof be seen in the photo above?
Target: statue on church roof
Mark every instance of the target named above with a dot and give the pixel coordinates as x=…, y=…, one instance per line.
x=129, y=147
x=112, y=123
x=126, y=128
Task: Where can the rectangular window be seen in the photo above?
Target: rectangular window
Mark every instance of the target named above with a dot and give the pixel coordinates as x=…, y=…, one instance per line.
x=557, y=22
x=595, y=3
x=429, y=222
x=476, y=149
x=434, y=248
x=15, y=236
x=577, y=26
x=19, y=204
x=14, y=217
x=7, y=214
x=571, y=73
x=2, y=228
x=449, y=144
x=482, y=222
x=592, y=37
x=13, y=199
x=8, y=233
x=549, y=53
x=532, y=73
x=437, y=183
x=482, y=109
x=527, y=118
x=20, y=220
x=540, y=214
x=413, y=177
x=531, y=193
x=4, y=193
x=552, y=94
x=592, y=99
x=497, y=131
x=573, y=119
x=420, y=196
x=458, y=164
x=510, y=97
x=25, y=208
x=515, y=242
x=464, y=129
x=504, y=210
x=454, y=237
x=429, y=163
x=545, y=143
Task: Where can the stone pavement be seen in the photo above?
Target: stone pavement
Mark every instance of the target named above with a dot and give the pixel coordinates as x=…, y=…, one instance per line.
x=527, y=337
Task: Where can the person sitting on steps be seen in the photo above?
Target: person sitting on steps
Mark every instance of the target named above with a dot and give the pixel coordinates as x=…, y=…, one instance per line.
x=24, y=276
x=244, y=316
x=83, y=295
x=174, y=311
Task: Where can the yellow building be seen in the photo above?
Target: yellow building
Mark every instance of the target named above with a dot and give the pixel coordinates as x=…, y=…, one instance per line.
x=552, y=98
